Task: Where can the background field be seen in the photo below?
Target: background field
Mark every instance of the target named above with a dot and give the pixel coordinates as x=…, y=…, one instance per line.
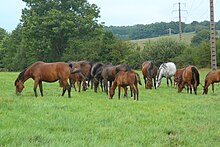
x=162, y=117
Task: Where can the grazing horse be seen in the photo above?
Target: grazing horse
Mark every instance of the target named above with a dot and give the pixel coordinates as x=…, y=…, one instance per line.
x=48, y=72
x=109, y=72
x=177, y=76
x=211, y=78
x=190, y=77
x=149, y=71
x=124, y=79
x=78, y=78
x=85, y=67
x=166, y=70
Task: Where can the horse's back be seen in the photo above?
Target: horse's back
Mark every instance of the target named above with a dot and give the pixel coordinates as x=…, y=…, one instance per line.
x=171, y=68
x=50, y=71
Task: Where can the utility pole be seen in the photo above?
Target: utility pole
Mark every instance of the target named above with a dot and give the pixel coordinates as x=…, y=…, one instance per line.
x=180, y=26
x=179, y=10
x=212, y=37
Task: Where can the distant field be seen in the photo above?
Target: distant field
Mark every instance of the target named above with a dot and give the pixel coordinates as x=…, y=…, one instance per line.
x=186, y=37
x=162, y=117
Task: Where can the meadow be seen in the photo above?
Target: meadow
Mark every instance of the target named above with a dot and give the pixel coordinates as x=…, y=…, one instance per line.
x=161, y=117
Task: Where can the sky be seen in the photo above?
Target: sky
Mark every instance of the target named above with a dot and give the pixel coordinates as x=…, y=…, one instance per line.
x=126, y=12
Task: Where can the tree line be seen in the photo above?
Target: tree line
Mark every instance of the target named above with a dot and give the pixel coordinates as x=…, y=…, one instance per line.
x=157, y=29
x=63, y=30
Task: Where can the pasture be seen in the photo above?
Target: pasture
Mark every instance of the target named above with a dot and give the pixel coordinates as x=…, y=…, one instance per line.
x=161, y=117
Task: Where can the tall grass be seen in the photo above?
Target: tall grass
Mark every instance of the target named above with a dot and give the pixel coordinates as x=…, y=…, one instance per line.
x=161, y=117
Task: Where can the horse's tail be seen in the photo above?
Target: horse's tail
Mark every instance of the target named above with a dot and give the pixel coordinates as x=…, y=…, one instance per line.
x=137, y=79
x=195, y=76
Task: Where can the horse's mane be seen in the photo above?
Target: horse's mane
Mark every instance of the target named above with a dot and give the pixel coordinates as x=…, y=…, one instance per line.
x=20, y=76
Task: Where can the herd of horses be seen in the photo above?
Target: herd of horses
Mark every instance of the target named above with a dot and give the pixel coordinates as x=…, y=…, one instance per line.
x=109, y=77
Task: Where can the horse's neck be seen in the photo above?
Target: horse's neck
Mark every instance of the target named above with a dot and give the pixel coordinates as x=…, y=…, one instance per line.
x=27, y=75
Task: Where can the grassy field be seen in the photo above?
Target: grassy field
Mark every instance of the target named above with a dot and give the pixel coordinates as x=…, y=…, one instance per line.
x=161, y=117
x=186, y=38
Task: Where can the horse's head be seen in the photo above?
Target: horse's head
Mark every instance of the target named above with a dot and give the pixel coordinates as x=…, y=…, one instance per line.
x=19, y=86
x=149, y=84
x=111, y=93
x=180, y=87
x=205, y=90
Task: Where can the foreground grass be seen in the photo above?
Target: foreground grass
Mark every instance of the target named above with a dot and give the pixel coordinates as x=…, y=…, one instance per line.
x=162, y=117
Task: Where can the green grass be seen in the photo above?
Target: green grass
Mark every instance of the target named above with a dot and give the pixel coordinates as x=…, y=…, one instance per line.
x=161, y=117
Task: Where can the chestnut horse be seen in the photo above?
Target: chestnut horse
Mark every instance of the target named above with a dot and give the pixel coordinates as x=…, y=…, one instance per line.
x=190, y=77
x=149, y=71
x=124, y=79
x=109, y=72
x=177, y=76
x=211, y=78
x=47, y=72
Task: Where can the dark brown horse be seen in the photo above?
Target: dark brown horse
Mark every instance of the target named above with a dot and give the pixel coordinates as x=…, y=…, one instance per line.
x=211, y=78
x=124, y=79
x=47, y=72
x=190, y=78
x=149, y=71
x=177, y=76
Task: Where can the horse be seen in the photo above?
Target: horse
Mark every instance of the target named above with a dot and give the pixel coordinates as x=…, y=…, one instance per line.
x=190, y=77
x=137, y=81
x=47, y=72
x=124, y=79
x=85, y=67
x=177, y=76
x=78, y=78
x=166, y=70
x=109, y=72
x=96, y=75
x=211, y=78
x=149, y=71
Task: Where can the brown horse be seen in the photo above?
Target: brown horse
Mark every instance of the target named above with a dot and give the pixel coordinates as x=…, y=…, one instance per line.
x=78, y=78
x=177, y=76
x=47, y=72
x=84, y=67
x=190, y=77
x=211, y=78
x=149, y=71
x=124, y=79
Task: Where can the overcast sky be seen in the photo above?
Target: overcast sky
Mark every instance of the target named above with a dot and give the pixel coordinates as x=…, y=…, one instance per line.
x=126, y=12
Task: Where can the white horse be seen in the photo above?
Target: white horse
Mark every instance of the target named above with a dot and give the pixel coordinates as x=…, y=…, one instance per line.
x=166, y=70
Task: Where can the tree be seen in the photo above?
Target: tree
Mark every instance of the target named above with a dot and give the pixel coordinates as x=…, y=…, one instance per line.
x=49, y=25
x=163, y=50
x=201, y=36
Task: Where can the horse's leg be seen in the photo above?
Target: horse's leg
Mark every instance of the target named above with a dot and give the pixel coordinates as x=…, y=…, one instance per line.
x=213, y=87
x=36, y=82
x=145, y=82
x=106, y=86
x=125, y=91
x=167, y=81
x=79, y=85
x=41, y=88
x=155, y=83
x=137, y=91
x=171, y=82
x=64, y=86
x=119, y=92
x=134, y=91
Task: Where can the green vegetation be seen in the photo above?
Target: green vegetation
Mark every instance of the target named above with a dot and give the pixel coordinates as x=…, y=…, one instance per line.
x=162, y=117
